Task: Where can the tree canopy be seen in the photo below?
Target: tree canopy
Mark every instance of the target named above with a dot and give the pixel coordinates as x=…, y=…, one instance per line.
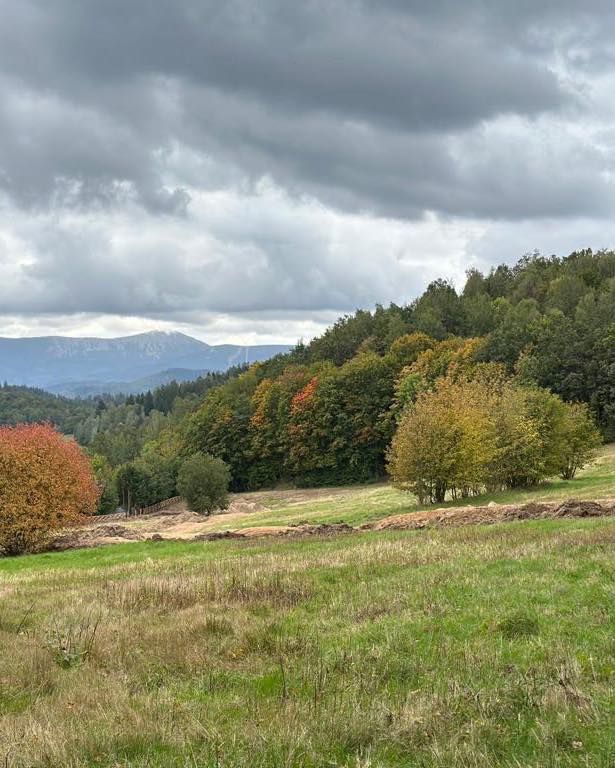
x=46, y=483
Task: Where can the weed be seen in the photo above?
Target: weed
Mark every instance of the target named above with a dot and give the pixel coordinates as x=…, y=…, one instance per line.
x=71, y=642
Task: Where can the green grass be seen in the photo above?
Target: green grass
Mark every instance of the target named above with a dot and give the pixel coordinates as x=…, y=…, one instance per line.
x=477, y=647
x=362, y=504
x=474, y=647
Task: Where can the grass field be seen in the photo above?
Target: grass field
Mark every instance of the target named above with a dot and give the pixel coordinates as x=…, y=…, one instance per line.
x=477, y=646
x=488, y=646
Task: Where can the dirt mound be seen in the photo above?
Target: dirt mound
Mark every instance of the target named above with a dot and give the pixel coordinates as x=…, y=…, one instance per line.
x=576, y=508
x=187, y=526
x=320, y=529
x=303, y=529
x=455, y=516
x=92, y=537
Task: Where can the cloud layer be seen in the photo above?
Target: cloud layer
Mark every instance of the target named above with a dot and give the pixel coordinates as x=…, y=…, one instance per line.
x=255, y=168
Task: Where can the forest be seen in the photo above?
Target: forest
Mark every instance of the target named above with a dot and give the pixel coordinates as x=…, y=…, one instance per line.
x=326, y=413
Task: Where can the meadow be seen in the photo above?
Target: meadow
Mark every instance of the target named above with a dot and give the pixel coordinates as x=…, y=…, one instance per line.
x=358, y=505
x=476, y=646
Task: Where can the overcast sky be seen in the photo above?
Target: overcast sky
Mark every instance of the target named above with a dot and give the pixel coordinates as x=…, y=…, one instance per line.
x=248, y=170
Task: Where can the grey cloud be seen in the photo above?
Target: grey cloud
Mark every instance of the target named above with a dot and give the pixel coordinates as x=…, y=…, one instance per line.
x=422, y=70
x=167, y=159
x=273, y=88
x=258, y=253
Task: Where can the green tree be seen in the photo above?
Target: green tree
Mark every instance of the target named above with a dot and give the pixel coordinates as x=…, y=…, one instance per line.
x=161, y=470
x=221, y=426
x=439, y=311
x=465, y=436
x=203, y=481
x=580, y=439
x=406, y=349
x=105, y=479
x=519, y=459
x=133, y=487
x=565, y=292
x=444, y=442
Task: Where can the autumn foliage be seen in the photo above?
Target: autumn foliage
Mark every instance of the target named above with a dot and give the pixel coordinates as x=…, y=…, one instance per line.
x=46, y=483
x=467, y=436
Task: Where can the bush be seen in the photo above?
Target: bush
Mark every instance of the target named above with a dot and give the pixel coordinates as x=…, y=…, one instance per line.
x=465, y=437
x=203, y=481
x=46, y=483
x=580, y=439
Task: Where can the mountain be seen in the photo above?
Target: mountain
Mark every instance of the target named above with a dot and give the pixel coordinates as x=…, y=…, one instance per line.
x=66, y=365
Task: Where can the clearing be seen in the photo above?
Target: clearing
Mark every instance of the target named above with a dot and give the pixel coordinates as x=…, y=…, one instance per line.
x=285, y=512
x=461, y=645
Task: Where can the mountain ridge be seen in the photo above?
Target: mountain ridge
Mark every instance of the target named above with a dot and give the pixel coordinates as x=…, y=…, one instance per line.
x=63, y=364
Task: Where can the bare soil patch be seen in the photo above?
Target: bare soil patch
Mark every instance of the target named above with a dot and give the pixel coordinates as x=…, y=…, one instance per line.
x=180, y=524
x=499, y=513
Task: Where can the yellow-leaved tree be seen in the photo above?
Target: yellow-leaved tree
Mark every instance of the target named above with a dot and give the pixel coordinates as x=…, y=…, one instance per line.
x=466, y=436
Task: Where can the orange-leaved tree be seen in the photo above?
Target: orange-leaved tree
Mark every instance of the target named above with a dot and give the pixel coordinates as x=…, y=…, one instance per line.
x=46, y=483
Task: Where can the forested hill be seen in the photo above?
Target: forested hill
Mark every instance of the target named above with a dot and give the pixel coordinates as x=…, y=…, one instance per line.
x=117, y=417
x=25, y=405
x=84, y=366
x=325, y=412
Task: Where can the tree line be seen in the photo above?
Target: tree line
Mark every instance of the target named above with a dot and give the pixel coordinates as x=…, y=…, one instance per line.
x=327, y=412
x=486, y=432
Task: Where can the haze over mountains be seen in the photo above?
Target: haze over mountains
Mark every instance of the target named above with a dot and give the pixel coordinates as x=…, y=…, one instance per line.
x=90, y=366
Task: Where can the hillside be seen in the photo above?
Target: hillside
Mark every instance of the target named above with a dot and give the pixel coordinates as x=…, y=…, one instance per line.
x=325, y=413
x=311, y=511
x=25, y=405
x=88, y=366
x=135, y=387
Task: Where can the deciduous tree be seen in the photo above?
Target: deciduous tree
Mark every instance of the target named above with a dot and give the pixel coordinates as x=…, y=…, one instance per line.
x=46, y=483
x=204, y=481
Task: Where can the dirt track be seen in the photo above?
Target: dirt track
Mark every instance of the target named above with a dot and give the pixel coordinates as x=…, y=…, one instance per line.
x=179, y=524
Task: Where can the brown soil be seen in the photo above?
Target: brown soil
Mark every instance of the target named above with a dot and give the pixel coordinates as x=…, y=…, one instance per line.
x=500, y=513
x=180, y=524
x=304, y=529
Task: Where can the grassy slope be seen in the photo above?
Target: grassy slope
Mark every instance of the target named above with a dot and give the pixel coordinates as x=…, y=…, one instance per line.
x=364, y=503
x=472, y=647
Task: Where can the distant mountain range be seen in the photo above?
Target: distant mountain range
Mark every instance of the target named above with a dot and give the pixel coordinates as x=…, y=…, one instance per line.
x=130, y=364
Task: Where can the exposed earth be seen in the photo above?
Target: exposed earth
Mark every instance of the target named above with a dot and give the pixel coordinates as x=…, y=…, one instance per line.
x=178, y=523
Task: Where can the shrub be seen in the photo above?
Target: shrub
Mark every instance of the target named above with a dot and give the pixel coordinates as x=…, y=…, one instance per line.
x=467, y=436
x=46, y=483
x=580, y=438
x=203, y=481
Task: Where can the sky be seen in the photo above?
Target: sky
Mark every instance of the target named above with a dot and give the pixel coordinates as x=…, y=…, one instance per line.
x=248, y=171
